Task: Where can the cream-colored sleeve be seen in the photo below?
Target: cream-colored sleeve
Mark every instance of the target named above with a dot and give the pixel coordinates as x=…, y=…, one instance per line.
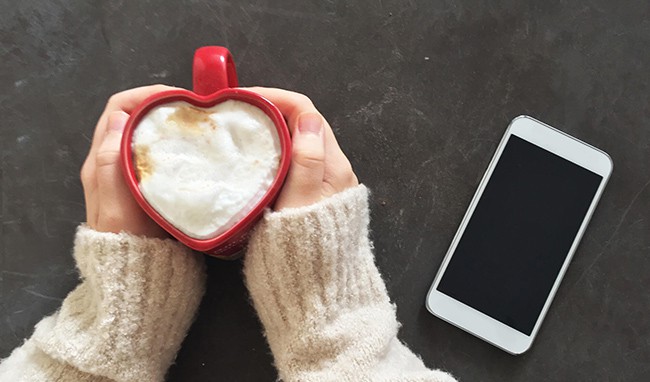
x=324, y=306
x=124, y=322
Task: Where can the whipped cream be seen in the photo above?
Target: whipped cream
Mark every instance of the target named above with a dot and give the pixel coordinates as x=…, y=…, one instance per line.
x=203, y=170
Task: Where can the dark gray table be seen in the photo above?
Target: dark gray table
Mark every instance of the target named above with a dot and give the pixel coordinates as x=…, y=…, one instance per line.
x=419, y=93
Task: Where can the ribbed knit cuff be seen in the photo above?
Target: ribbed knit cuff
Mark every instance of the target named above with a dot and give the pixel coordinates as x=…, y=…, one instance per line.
x=128, y=317
x=325, y=309
x=308, y=264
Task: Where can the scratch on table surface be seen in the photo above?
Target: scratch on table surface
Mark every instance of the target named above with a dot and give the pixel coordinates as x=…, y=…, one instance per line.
x=464, y=154
x=43, y=296
x=285, y=13
x=251, y=37
x=44, y=173
x=102, y=30
x=10, y=324
x=46, y=228
x=21, y=274
x=638, y=349
x=611, y=237
x=269, y=10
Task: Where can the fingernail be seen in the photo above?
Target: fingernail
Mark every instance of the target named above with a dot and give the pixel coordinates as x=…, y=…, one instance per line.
x=311, y=123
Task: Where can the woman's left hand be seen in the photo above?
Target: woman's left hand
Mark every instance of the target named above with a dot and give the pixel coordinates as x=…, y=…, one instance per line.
x=110, y=207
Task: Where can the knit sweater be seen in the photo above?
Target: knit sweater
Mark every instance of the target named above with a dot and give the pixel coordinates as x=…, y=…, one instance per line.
x=311, y=275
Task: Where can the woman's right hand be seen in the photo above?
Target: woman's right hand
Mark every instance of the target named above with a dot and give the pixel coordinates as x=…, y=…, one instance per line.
x=319, y=169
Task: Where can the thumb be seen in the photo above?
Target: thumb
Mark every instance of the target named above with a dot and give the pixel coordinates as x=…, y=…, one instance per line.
x=108, y=153
x=111, y=187
x=304, y=182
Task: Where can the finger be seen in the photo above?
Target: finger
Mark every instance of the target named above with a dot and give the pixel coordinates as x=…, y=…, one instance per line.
x=89, y=183
x=304, y=182
x=112, y=192
x=291, y=104
x=338, y=173
x=128, y=100
x=125, y=101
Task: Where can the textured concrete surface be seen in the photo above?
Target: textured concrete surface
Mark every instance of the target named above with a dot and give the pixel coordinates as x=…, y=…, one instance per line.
x=419, y=93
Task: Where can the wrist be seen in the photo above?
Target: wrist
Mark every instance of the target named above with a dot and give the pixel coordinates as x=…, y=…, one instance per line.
x=314, y=260
x=133, y=290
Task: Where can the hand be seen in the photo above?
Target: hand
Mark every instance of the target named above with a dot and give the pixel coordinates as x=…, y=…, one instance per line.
x=110, y=207
x=319, y=168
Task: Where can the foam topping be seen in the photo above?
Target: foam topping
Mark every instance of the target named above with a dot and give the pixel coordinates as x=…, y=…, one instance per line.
x=203, y=170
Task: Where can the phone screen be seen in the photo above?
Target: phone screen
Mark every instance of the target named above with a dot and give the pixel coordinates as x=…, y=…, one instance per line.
x=519, y=235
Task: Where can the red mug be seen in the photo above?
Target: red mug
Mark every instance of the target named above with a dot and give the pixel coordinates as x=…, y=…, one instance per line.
x=214, y=81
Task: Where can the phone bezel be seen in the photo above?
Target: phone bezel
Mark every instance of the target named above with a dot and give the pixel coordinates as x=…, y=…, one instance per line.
x=478, y=323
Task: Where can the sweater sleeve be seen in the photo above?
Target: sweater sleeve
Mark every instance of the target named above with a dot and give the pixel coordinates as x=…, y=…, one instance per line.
x=324, y=306
x=124, y=322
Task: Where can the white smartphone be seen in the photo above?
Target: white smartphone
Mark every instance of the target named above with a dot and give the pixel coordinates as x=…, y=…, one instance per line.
x=519, y=233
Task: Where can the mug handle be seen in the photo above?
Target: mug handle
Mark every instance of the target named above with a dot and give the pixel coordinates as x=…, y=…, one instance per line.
x=213, y=70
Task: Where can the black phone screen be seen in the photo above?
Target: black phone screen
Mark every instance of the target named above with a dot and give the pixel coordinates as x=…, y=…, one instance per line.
x=519, y=235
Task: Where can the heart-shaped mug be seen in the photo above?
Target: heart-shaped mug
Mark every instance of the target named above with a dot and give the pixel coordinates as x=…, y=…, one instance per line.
x=214, y=81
